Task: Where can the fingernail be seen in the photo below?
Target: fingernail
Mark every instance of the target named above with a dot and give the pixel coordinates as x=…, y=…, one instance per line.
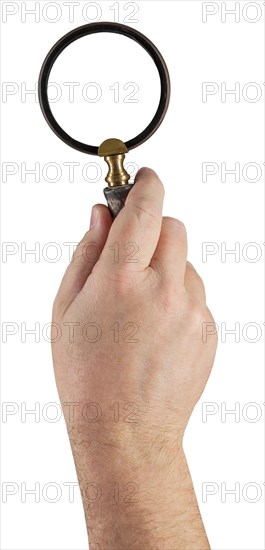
x=93, y=218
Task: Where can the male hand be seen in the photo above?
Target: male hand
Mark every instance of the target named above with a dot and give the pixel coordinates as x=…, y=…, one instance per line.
x=130, y=366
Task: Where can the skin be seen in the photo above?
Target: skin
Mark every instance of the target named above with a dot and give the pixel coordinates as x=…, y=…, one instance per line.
x=132, y=336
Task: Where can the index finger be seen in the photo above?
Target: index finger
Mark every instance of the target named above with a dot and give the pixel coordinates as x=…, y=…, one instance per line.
x=135, y=232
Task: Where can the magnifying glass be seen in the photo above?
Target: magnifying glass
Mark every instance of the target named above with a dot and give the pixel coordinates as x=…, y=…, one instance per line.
x=112, y=149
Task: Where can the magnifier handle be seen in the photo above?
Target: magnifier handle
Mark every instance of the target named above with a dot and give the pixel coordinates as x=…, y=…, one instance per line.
x=113, y=150
x=116, y=197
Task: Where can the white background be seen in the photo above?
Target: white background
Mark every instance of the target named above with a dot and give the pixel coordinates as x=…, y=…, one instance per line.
x=221, y=450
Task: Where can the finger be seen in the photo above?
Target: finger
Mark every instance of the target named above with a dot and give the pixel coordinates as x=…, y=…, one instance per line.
x=136, y=230
x=170, y=256
x=85, y=256
x=194, y=283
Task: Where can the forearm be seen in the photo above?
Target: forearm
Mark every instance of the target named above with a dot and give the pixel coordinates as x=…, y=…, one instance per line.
x=142, y=508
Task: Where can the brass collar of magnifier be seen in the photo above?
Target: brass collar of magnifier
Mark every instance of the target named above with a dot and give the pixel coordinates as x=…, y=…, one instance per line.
x=113, y=150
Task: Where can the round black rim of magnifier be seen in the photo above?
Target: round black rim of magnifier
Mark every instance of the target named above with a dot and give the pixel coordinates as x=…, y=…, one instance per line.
x=92, y=28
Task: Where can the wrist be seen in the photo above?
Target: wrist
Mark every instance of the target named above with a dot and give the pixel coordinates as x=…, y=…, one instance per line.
x=137, y=495
x=140, y=507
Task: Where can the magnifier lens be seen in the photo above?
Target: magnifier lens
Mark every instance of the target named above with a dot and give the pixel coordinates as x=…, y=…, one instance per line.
x=104, y=85
x=115, y=120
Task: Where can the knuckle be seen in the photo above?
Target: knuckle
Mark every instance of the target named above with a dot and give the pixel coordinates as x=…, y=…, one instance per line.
x=179, y=225
x=125, y=282
x=145, y=208
x=120, y=281
x=87, y=251
x=190, y=267
x=196, y=313
x=77, y=252
x=194, y=274
x=175, y=226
